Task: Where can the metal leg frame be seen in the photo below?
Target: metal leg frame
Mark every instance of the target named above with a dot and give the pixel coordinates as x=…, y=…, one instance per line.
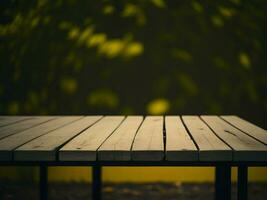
x=223, y=182
x=242, y=183
x=43, y=186
x=97, y=183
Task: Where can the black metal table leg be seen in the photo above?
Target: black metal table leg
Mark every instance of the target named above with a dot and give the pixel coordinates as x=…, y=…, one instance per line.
x=242, y=183
x=223, y=182
x=43, y=187
x=97, y=183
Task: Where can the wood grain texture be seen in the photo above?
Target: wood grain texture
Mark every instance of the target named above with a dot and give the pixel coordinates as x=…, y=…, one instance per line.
x=148, y=143
x=84, y=147
x=245, y=147
x=8, y=144
x=211, y=148
x=44, y=148
x=22, y=125
x=118, y=145
x=7, y=120
x=116, y=138
x=179, y=145
x=247, y=127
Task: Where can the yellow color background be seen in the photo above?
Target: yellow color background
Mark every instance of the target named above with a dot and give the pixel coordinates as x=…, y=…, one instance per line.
x=129, y=174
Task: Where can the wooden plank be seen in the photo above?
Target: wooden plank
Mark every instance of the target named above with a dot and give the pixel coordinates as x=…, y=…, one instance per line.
x=179, y=145
x=118, y=145
x=44, y=148
x=247, y=127
x=84, y=146
x=148, y=143
x=211, y=148
x=21, y=126
x=245, y=147
x=8, y=144
x=7, y=120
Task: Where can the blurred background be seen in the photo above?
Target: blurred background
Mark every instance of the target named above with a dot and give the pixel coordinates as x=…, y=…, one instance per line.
x=133, y=57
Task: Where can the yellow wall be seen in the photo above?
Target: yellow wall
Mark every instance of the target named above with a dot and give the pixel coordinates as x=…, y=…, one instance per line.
x=128, y=174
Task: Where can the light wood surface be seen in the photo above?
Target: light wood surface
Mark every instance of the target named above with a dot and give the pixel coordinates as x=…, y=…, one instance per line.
x=84, y=147
x=148, y=144
x=118, y=145
x=245, y=148
x=45, y=147
x=247, y=127
x=131, y=138
x=22, y=125
x=179, y=145
x=209, y=145
x=7, y=120
x=8, y=144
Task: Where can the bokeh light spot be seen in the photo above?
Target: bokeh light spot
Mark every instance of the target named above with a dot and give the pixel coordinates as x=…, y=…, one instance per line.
x=197, y=6
x=217, y=21
x=112, y=48
x=103, y=98
x=158, y=106
x=73, y=33
x=96, y=39
x=159, y=3
x=226, y=12
x=244, y=60
x=109, y=9
x=68, y=85
x=133, y=49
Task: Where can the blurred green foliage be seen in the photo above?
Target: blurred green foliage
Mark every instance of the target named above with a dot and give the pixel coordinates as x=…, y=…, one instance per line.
x=134, y=57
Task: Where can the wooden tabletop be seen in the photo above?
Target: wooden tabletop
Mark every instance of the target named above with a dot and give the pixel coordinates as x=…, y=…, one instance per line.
x=131, y=138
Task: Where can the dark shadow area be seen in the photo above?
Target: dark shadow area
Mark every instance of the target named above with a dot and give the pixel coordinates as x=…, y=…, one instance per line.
x=134, y=57
x=130, y=191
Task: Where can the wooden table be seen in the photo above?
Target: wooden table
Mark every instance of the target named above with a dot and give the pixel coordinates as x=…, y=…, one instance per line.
x=220, y=141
